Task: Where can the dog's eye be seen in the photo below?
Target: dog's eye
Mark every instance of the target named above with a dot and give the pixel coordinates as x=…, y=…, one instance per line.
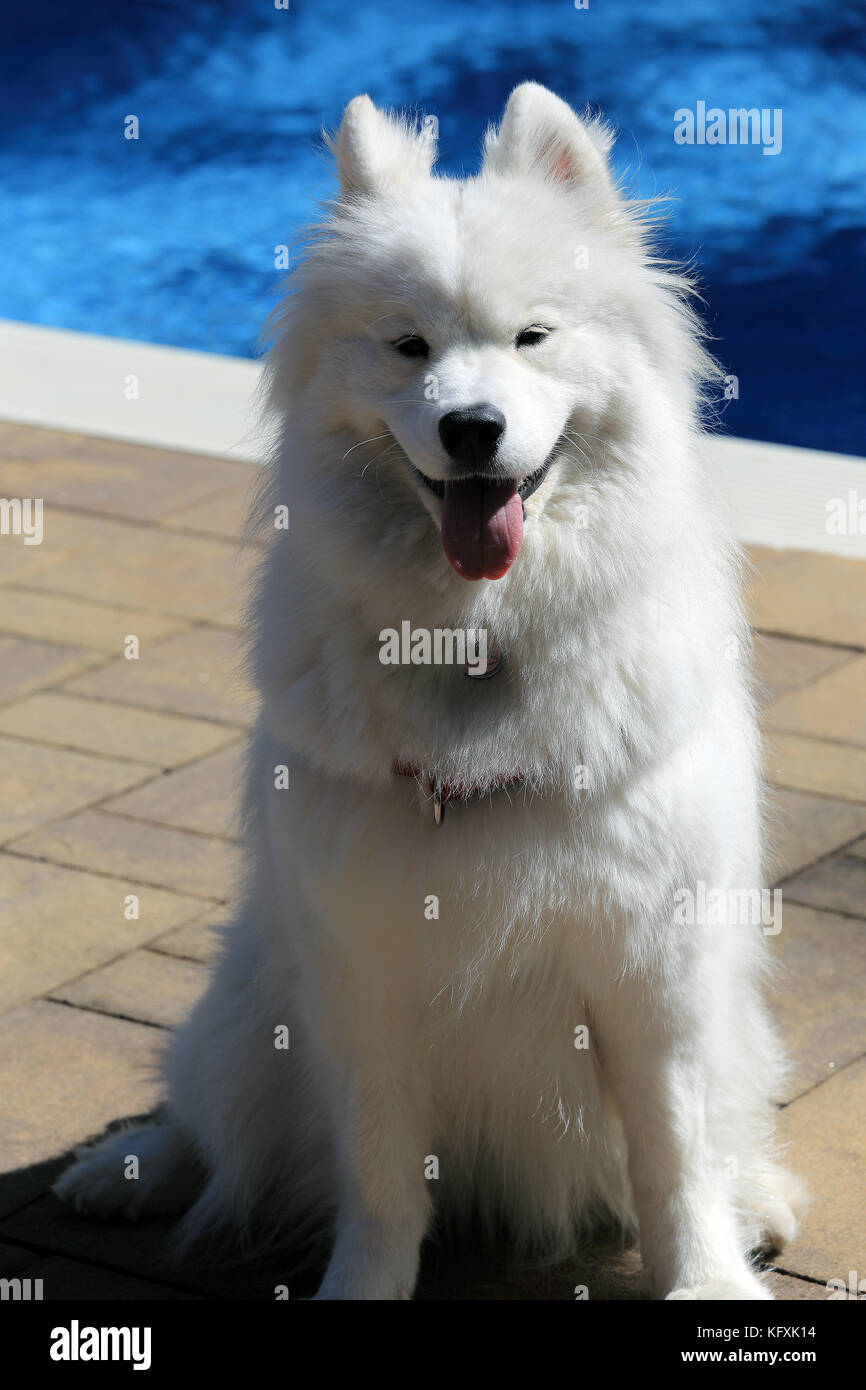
x=412, y=346
x=530, y=336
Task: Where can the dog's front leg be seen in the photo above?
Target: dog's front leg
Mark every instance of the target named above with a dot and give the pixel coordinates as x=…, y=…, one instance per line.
x=662, y=1048
x=376, y=1050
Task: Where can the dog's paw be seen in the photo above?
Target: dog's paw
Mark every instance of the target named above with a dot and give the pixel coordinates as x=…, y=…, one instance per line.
x=779, y=1206
x=95, y=1185
x=742, y=1288
x=134, y=1173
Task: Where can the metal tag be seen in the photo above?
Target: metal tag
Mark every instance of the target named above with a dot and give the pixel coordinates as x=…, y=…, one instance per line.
x=495, y=663
x=438, y=808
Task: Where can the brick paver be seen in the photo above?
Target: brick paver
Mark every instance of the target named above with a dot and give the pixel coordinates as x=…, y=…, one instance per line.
x=818, y=597
x=826, y=1134
x=39, y=782
x=818, y=999
x=27, y=665
x=786, y=663
x=130, y=481
x=224, y=515
x=118, y=782
x=58, y=921
x=833, y=708
x=816, y=765
x=803, y=828
x=140, y=852
x=200, y=940
x=837, y=883
x=64, y=1075
x=119, y=731
x=196, y=797
x=145, y=986
x=196, y=672
x=102, y=626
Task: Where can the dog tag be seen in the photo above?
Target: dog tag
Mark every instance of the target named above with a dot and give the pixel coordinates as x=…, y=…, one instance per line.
x=495, y=663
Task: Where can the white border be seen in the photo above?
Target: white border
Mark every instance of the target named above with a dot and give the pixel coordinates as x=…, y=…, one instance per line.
x=202, y=402
x=779, y=496
x=194, y=401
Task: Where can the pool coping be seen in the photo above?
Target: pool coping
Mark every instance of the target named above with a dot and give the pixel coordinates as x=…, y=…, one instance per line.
x=197, y=402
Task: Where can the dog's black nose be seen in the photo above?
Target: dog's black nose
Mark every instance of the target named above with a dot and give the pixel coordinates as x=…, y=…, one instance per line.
x=470, y=436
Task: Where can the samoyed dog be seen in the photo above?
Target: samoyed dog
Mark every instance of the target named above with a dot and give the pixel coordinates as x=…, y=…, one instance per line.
x=473, y=970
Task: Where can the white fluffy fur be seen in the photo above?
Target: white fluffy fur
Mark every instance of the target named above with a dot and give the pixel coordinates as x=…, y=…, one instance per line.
x=627, y=655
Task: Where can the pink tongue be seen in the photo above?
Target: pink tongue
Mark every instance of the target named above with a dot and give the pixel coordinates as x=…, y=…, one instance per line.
x=482, y=527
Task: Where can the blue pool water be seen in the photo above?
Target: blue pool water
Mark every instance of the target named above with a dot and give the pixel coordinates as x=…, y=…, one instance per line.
x=171, y=238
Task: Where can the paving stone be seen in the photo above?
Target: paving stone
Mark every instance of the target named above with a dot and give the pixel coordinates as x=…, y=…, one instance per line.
x=833, y=708
x=74, y=1280
x=13, y=1260
x=203, y=796
x=137, y=852
x=200, y=940
x=458, y=1272
x=803, y=828
x=64, y=1074
x=224, y=515
x=789, y=1289
x=818, y=997
x=802, y=594
x=27, y=665
x=34, y=442
x=197, y=672
x=144, y=986
x=815, y=765
x=785, y=663
x=20, y=560
x=71, y=1067
x=119, y=731
x=38, y=783
x=606, y=1271
x=97, y=626
x=826, y=1134
x=127, y=480
x=62, y=535
x=145, y=1250
x=56, y=923
x=837, y=884
x=455, y=1274
x=143, y=567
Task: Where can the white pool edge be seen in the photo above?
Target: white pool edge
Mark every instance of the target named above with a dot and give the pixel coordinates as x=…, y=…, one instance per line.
x=201, y=402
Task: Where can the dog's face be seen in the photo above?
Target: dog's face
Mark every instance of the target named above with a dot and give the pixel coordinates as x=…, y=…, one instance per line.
x=476, y=327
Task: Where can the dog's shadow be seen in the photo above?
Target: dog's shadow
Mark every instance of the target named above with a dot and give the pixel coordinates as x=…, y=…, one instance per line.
x=81, y=1258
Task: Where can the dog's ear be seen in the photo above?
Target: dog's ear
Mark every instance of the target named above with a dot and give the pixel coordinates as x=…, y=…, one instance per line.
x=377, y=149
x=540, y=134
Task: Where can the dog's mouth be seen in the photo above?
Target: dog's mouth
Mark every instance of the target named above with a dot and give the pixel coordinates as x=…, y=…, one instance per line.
x=482, y=519
x=525, y=486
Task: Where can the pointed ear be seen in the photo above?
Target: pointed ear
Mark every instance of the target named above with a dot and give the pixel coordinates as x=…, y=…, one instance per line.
x=541, y=134
x=376, y=149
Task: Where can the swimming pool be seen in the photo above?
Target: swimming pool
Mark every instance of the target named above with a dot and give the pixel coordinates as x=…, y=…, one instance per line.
x=170, y=238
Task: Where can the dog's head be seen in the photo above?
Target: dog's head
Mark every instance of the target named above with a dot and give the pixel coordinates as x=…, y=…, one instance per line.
x=481, y=337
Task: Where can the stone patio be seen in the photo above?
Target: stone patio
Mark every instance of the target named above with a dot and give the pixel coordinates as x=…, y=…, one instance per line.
x=118, y=778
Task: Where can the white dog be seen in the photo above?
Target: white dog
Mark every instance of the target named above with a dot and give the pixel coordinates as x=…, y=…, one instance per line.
x=468, y=912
